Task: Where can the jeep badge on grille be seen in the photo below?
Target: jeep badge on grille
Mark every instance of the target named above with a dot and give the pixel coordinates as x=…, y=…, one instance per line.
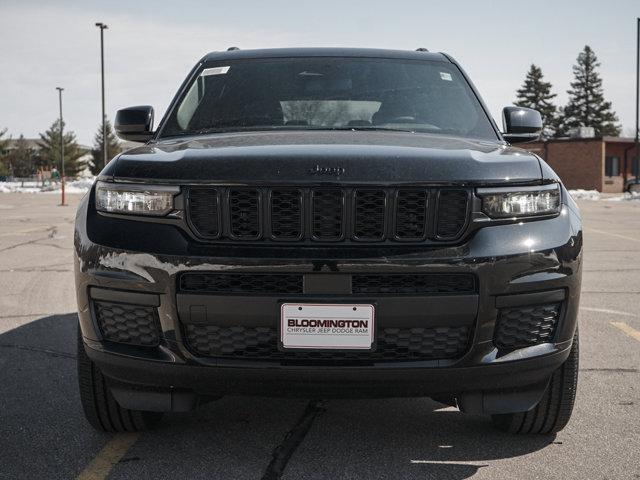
x=318, y=170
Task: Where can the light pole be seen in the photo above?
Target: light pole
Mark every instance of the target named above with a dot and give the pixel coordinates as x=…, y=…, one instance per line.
x=102, y=28
x=60, y=89
x=637, y=159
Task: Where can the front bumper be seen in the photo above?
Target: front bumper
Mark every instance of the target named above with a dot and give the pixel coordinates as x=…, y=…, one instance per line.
x=511, y=263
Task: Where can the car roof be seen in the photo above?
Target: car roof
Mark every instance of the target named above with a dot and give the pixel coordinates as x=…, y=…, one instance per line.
x=236, y=54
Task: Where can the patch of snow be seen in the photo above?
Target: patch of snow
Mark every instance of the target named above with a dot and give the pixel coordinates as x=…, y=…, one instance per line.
x=74, y=186
x=585, y=194
x=628, y=196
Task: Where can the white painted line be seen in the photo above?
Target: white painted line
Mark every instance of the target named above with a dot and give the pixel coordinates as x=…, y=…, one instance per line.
x=444, y=462
x=602, y=232
x=606, y=310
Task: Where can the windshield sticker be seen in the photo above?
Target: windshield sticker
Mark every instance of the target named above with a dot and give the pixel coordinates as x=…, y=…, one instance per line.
x=446, y=76
x=215, y=71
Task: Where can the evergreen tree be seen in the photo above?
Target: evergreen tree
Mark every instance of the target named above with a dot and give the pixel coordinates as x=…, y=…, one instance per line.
x=20, y=159
x=536, y=93
x=50, y=150
x=587, y=106
x=113, y=148
x=4, y=142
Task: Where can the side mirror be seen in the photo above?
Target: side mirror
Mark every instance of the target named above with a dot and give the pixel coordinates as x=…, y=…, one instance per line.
x=135, y=123
x=521, y=124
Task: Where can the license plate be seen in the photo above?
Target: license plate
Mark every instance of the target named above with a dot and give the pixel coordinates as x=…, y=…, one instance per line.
x=327, y=326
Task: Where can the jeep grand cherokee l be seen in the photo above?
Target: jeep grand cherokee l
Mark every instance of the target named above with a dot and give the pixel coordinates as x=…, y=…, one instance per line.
x=322, y=223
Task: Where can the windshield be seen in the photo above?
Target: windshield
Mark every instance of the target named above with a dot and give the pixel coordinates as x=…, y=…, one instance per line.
x=329, y=93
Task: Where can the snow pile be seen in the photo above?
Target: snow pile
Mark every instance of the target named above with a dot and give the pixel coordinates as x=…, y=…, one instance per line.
x=26, y=187
x=74, y=186
x=628, y=196
x=585, y=194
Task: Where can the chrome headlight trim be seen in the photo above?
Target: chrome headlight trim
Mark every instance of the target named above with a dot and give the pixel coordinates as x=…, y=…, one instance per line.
x=135, y=199
x=515, y=202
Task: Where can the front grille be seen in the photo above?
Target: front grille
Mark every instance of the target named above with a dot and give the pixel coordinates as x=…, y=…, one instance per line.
x=125, y=323
x=204, y=206
x=354, y=214
x=239, y=283
x=416, y=284
x=328, y=214
x=286, y=214
x=370, y=207
x=411, y=216
x=244, y=214
x=520, y=327
x=392, y=344
x=451, y=212
x=292, y=283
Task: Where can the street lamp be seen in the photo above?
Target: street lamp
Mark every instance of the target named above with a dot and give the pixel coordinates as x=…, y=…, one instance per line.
x=102, y=28
x=60, y=89
x=637, y=136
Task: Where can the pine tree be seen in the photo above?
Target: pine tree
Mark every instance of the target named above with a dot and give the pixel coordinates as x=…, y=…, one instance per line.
x=50, y=150
x=113, y=148
x=4, y=142
x=20, y=159
x=536, y=93
x=587, y=106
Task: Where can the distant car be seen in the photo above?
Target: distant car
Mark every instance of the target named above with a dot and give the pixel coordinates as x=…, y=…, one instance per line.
x=632, y=185
x=328, y=223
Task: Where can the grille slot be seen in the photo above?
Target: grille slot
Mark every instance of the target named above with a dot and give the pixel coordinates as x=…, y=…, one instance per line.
x=370, y=208
x=292, y=283
x=204, y=206
x=393, y=344
x=411, y=214
x=520, y=327
x=451, y=213
x=413, y=284
x=328, y=214
x=286, y=214
x=125, y=323
x=239, y=283
x=244, y=213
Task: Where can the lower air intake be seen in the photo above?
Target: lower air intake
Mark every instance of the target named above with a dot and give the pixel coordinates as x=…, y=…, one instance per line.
x=261, y=343
x=125, y=323
x=520, y=327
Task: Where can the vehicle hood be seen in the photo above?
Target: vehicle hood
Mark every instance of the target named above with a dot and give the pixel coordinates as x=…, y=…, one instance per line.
x=310, y=157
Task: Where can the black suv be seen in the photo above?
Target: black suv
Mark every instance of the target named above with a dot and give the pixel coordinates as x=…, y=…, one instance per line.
x=322, y=223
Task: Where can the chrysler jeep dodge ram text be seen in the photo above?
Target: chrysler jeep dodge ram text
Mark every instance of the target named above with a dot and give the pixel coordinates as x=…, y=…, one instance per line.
x=328, y=223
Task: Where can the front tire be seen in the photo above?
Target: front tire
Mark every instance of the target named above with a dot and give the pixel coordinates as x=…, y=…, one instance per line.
x=100, y=407
x=554, y=409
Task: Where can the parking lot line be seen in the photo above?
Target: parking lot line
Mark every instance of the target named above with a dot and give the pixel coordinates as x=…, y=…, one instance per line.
x=612, y=234
x=632, y=332
x=109, y=456
x=606, y=310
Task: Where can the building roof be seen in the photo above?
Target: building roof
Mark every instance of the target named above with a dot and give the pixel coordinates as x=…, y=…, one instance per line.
x=34, y=144
x=323, y=52
x=606, y=139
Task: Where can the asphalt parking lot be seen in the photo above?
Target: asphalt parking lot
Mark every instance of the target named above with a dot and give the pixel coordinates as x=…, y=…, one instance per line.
x=44, y=435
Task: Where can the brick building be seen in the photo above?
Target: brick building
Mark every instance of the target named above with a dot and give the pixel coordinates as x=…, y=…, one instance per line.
x=603, y=163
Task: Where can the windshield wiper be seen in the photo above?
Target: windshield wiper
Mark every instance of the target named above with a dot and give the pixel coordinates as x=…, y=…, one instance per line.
x=364, y=128
x=204, y=131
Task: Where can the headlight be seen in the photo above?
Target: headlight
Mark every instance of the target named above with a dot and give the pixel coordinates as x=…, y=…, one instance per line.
x=520, y=201
x=135, y=199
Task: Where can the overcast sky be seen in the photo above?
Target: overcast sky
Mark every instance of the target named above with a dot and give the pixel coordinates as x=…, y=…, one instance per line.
x=150, y=47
